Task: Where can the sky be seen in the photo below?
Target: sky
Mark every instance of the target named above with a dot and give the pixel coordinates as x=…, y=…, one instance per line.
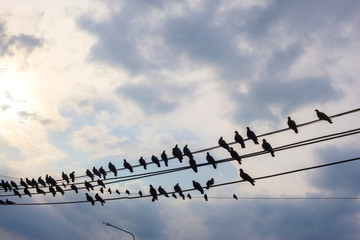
x=83, y=83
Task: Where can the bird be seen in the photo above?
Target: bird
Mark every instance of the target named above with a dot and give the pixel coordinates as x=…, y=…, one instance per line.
x=40, y=191
x=205, y=197
x=198, y=186
x=59, y=189
x=103, y=172
x=223, y=144
x=267, y=147
x=127, y=192
x=34, y=182
x=101, y=183
x=96, y=172
x=128, y=166
x=22, y=183
x=28, y=182
x=188, y=195
x=153, y=193
x=239, y=139
x=63, y=184
x=52, y=190
x=140, y=193
x=113, y=168
x=193, y=164
x=292, y=125
x=209, y=183
x=235, y=155
x=8, y=202
x=234, y=196
x=164, y=158
x=246, y=177
x=155, y=160
x=51, y=181
x=187, y=152
x=109, y=190
x=174, y=195
x=41, y=181
x=5, y=186
x=211, y=160
x=14, y=185
x=73, y=187
x=2, y=202
x=142, y=162
x=177, y=153
x=178, y=189
x=322, y=116
x=98, y=198
x=251, y=135
x=117, y=191
x=102, y=190
x=89, y=174
x=162, y=191
x=17, y=193
x=27, y=192
x=90, y=199
x=72, y=176
x=88, y=186
x=65, y=177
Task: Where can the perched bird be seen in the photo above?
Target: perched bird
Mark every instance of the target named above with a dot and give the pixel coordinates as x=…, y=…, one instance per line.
x=102, y=190
x=234, y=196
x=100, y=183
x=117, y=191
x=98, y=198
x=96, y=172
x=103, y=172
x=5, y=186
x=246, y=177
x=211, y=160
x=162, y=191
x=205, y=197
x=235, y=155
x=65, y=177
x=52, y=190
x=193, y=164
x=251, y=135
x=51, y=181
x=34, y=182
x=90, y=174
x=59, y=189
x=8, y=202
x=73, y=187
x=209, y=183
x=188, y=195
x=113, y=168
x=63, y=184
x=30, y=183
x=187, y=152
x=17, y=193
x=90, y=199
x=155, y=160
x=153, y=193
x=174, y=195
x=142, y=162
x=178, y=189
x=72, y=176
x=198, y=186
x=292, y=125
x=127, y=192
x=164, y=158
x=128, y=166
x=239, y=139
x=27, y=192
x=2, y=202
x=322, y=116
x=177, y=153
x=41, y=181
x=223, y=144
x=267, y=147
x=140, y=193
x=88, y=186
x=109, y=190
x=22, y=183
x=14, y=185
x=40, y=191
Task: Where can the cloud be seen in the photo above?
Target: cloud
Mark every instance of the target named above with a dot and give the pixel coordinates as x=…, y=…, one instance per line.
x=34, y=116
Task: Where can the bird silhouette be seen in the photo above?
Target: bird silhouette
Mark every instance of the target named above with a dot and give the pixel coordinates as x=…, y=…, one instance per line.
x=65, y=177
x=177, y=153
x=28, y=182
x=96, y=172
x=127, y=192
x=52, y=190
x=188, y=195
x=51, y=181
x=17, y=193
x=267, y=147
x=246, y=177
x=63, y=184
x=41, y=181
x=178, y=189
x=34, y=182
x=142, y=162
x=162, y=191
x=73, y=187
x=193, y=164
x=59, y=189
x=14, y=185
x=109, y=190
x=98, y=198
x=22, y=183
x=155, y=160
x=128, y=166
x=198, y=186
x=2, y=202
x=205, y=197
x=40, y=191
x=153, y=193
x=223, y=143
x=187, y=151
x=174, y=195
x=235, y=155
x=72, y=176
x=90, y=174
x=209, y=183
x=292, y=125
x=117, y=191
x=113, y=168
x=5, y=186
x=234, y=196
x=322, y=116
x=103, y=172
x=8, y=202
x=164, y=158
x=211, y=160
x=90, y=199
x=101, y=183
x=251, y=135
x=239, y=139
x=27, y=192
x=140, y=193
x=88, y=186
x=102, y=190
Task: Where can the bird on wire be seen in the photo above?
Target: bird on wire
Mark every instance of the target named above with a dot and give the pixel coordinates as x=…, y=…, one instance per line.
x=41, y=181
x=90, y=199
x=155, y=160
x=267, y=147
x=100, y=199
x=90, y=174
x=52, y=190
x=177, y=153
x=239, y=139
x=162, y=191
x=96, y=172
x=234, y=196
x=153, y=193
x=128, y=166
x=193, y=164
x=223, y=143
x=292, y=125
x=235, y=155
x=209, y=183
x=164, y=157
x=187, y=152
x=72, y=176
x=211, y=160
x=198, y=186
x=178, y=189
x=251, y=135
x=322, y=116
x=142, y=162
x=246, y=177
x=65, y=177
x=73, y=187
x=103, y=172
x=113, y=168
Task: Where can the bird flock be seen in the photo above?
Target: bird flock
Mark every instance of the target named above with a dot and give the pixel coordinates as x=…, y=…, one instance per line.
x=29, y=187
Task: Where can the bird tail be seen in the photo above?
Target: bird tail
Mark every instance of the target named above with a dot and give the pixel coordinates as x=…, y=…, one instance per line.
x=252, y=182
x=272, y=154
x=214, y=165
